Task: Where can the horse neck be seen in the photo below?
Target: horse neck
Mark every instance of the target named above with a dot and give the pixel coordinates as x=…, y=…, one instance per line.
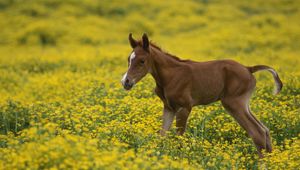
x=161, y=67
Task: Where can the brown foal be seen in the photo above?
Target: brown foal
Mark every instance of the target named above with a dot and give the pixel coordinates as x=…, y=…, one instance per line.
x=182, y=84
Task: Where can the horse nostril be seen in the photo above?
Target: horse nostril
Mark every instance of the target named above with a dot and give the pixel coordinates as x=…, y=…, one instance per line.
x=126, y=81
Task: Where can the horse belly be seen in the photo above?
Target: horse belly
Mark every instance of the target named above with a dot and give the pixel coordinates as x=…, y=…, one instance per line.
x=207, y=89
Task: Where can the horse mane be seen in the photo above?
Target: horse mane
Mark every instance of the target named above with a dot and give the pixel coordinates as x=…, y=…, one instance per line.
x=158, y=48
x=168, y=54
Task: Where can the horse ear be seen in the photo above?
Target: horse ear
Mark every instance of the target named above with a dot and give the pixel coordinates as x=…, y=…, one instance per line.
x=145, y=42
x=133, y=42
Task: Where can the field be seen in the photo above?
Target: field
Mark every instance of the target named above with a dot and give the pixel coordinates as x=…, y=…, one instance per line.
x=62, y=105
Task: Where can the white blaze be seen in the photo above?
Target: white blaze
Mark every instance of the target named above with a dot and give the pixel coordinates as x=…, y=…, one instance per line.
x=132, y=56
x=124, y=78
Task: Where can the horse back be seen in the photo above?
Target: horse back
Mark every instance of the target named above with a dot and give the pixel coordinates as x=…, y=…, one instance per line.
x=213, y=80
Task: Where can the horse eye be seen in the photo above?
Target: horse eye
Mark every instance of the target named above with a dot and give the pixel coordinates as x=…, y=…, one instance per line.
x=142, y=61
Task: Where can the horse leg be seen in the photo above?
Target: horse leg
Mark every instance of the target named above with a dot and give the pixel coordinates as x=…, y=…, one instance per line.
x=268, y=139
x=168, y=118
x=238, y=108
x=181, y=119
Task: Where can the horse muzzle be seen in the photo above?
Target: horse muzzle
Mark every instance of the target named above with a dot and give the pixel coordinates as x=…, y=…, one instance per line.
x=127, y=84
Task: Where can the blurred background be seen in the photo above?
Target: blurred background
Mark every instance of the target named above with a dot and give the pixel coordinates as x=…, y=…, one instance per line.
x=194, y=28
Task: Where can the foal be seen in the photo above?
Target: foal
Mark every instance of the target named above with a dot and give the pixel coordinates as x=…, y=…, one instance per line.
x=182, y=84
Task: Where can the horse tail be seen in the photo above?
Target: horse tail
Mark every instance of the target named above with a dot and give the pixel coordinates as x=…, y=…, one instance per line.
x=277, y=80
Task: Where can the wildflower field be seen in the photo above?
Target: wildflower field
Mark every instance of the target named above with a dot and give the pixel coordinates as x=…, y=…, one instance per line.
x=62, y=105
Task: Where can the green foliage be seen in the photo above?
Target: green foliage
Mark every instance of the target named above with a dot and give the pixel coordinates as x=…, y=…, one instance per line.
x=13, y=117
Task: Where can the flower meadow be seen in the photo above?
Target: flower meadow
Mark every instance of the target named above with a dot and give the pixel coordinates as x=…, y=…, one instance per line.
x=62, y=105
